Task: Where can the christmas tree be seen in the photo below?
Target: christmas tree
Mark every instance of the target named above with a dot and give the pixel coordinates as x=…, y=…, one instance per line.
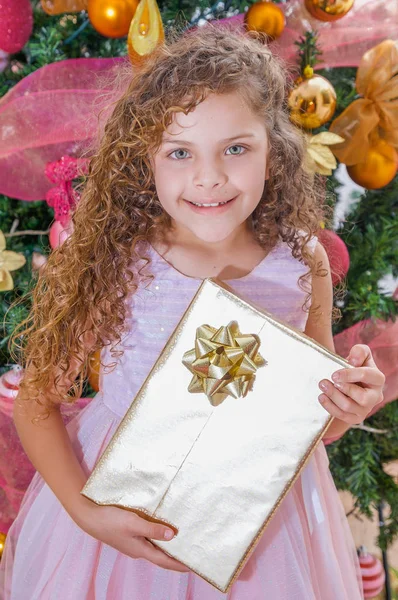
x=311, y=38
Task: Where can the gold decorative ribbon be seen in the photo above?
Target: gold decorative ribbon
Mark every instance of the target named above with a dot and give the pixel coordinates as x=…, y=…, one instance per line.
x=223, y=362
x=376, y=114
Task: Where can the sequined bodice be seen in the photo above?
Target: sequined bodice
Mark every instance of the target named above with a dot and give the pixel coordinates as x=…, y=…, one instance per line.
x=156, y=308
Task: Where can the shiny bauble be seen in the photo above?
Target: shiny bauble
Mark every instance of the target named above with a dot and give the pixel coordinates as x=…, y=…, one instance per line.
x=58, y=233
x=266, y=17
x=16, y=24
x=378, y=168
x=57, y=7
x=94, y=365
x=112, y=18
x=372, y=571
x=9, y=382
x=338, y=255
x=2, y=542
x=146, y=31
x=312, y=102
x=38, y=261
x=328, y=10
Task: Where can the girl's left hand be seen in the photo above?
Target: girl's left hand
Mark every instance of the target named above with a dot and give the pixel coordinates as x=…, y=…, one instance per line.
x=354, y=392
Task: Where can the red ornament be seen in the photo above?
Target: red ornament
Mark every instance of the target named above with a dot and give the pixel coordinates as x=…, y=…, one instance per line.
x=337, y=252
x=16, y=24
x=373, y=575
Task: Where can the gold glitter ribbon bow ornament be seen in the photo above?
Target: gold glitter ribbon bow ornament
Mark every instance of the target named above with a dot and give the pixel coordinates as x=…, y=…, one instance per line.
x=223, y=362
x=376, y=114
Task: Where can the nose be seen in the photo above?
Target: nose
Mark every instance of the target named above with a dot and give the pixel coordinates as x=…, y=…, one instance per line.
x=209, y=175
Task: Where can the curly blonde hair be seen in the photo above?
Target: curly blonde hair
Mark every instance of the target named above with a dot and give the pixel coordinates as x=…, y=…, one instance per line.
x=78, y=303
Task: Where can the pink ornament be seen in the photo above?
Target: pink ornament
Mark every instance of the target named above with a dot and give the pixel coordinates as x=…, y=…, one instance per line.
x=59, y=233
x=337, y=252
x=16, y=24
x=9, y=382
x=373, y=575
x=38, y=261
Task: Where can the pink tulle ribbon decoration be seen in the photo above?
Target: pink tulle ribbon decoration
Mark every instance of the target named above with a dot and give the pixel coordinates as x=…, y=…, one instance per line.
x=53, y=112
x=63, y=198
x=343, y=42
x=382, y=339
x=16, y=470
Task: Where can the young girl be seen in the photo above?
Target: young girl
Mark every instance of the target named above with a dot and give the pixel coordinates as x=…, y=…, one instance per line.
x=199, y=174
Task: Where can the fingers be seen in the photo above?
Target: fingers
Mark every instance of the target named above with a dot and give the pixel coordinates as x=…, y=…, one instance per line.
x=363, y=397
x=343, y=403
x=159, y=558
x=367, y=376
x=335, y=411
x=361, y=356
x=350, y=402
x=153, y=531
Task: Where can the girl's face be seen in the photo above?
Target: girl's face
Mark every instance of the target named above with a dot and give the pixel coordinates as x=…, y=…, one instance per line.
x=211, y=167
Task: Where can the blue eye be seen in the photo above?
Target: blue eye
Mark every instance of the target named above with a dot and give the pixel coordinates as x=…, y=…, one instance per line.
x=236, y=146
x=179, y=157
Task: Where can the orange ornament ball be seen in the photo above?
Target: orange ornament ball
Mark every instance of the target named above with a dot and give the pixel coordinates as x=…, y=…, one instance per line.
x=94, y=365
x=266, y=17
x=56, y=7
x=312, y=102
x=2, y=543
x=378, y=168
x=111, y=18
x=328, y=10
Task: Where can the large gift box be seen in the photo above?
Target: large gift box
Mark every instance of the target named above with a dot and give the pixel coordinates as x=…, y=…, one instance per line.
x=219, y=431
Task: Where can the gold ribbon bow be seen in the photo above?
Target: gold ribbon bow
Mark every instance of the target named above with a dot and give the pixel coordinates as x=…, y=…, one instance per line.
x=376, y=114
x=223, y=362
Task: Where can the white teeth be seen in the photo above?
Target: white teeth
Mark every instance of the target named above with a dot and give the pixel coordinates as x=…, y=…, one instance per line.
x=208, y=205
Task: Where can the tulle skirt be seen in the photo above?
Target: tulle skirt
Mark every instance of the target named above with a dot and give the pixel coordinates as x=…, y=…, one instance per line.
x=306, y=553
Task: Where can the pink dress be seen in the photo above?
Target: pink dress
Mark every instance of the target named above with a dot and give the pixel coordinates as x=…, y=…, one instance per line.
x=306, y=553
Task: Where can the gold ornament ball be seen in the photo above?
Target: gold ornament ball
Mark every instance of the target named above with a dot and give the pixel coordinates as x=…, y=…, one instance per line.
x=378, y=168
x=328, y=10
x=111, y=18
x=266, y=17
x=2, y=542
x=312, y=102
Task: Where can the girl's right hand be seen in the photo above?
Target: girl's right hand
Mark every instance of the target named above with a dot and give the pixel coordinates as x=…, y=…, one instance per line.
x=126, y=532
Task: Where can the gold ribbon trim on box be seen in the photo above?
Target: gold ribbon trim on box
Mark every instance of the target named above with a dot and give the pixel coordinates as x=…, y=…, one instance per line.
x=376, y=114
x=223, y=363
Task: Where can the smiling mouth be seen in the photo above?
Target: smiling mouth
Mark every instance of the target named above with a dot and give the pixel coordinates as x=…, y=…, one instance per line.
x=210, y=205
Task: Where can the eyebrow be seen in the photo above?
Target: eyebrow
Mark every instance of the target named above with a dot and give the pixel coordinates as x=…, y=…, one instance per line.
x=231, y=139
